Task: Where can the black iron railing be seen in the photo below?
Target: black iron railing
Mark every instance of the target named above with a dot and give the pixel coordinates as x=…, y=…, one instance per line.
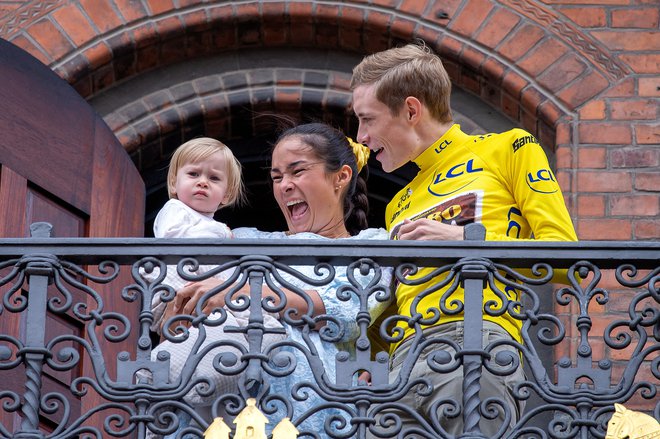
x=109, y=383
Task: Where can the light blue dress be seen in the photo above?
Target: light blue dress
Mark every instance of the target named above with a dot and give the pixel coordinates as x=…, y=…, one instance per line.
x=345, y=311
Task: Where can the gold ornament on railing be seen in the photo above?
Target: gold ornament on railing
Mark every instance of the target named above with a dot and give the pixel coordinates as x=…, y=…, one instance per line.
x=361, y=153
x=250, y=424
x=632, y=425
x=217, y=430
x=285, y=430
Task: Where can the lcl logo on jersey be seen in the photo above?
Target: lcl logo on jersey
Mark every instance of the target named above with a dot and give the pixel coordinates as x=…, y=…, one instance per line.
x=459, y=170
x=542, y=181
x=444, y=144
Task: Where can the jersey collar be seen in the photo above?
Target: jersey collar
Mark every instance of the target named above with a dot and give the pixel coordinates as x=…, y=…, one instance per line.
x=433, y=153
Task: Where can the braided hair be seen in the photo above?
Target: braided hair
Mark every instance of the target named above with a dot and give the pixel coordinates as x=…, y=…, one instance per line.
x=333, y=148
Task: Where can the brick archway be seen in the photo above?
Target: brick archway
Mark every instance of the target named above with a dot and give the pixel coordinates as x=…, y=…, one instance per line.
x=93, y=45
x=243, y=99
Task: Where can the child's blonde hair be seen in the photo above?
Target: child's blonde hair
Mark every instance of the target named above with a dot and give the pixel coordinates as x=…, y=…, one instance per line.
x=198, y=150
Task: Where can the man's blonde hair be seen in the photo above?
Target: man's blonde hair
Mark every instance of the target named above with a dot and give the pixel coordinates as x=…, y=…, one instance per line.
x=411, y=70
x=196, y=151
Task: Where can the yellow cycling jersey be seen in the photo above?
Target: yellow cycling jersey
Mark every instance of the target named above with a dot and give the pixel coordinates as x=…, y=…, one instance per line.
x=503, y=181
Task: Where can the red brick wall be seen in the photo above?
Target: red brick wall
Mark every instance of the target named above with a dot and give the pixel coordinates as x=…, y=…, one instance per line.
x=9, y=6
x=619, y=159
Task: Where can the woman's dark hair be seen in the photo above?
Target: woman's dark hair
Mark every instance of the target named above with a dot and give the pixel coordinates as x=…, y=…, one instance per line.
x=331, y=146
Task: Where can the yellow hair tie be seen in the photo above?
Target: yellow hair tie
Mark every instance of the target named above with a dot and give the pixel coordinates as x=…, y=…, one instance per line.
x=361, y=153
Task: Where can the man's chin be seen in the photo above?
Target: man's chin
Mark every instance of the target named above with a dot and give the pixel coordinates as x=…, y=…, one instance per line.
x=387, y=168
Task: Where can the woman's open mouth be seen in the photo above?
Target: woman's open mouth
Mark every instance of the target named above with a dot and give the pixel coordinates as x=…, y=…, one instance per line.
x=297, y=208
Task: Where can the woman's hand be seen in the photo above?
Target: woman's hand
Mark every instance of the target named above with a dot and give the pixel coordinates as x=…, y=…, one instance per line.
x=186, y=298
x=364, y=378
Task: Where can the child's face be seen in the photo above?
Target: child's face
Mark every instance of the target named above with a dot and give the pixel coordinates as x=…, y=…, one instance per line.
x=203, y=185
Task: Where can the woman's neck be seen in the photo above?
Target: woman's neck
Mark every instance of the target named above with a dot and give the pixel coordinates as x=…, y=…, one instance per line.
x=338, y=234
x=330, y=233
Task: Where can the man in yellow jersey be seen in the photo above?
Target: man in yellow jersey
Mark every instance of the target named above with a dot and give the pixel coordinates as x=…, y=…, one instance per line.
x=401, y=98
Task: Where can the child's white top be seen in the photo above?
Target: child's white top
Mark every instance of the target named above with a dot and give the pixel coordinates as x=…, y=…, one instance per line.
x=176, y=220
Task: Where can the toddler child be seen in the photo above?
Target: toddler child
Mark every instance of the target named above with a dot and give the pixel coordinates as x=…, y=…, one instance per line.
x=203, y=177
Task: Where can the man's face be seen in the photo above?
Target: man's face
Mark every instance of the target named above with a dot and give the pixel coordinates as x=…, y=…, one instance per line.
x=385, y=134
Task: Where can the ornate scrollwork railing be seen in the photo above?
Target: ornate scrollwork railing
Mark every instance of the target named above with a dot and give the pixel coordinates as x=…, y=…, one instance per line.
x=221, y=362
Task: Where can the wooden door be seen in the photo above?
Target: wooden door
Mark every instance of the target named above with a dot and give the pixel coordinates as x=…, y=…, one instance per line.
x=61, y=164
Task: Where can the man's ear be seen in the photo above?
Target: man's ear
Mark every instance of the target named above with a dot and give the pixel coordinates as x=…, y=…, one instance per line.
x=413, y=108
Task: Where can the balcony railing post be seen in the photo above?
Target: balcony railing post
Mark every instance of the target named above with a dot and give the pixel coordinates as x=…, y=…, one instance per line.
x=255, y=334
x=473, y=278
x=34, y=353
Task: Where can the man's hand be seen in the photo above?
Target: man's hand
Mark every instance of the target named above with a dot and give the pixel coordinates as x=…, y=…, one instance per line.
x=426, y=230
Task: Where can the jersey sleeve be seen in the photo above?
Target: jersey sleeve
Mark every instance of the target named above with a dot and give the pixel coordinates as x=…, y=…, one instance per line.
x=527, y=174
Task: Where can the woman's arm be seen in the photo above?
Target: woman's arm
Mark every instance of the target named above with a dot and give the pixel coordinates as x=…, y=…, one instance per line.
x=188, y=297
